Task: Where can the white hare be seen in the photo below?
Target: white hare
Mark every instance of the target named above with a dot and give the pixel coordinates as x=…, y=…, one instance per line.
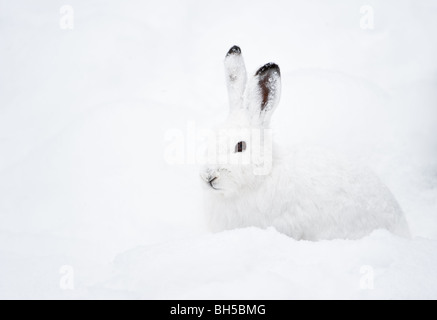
x=305, y=194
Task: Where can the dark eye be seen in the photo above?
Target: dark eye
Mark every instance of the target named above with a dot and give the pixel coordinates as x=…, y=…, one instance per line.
x=240, y=146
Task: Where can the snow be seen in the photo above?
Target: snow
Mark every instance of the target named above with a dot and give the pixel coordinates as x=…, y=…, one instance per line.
x=84, y=116
x=256, y=264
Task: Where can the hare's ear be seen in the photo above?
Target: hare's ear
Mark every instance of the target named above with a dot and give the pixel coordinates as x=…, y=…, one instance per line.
x=236, y=77
x=263, y=93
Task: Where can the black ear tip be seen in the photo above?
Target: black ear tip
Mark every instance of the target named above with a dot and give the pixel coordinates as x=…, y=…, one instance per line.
x=235, y=50
x=268, y=67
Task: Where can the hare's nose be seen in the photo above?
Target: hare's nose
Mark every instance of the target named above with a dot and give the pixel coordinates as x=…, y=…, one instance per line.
x=212, y=179
x=209, y=175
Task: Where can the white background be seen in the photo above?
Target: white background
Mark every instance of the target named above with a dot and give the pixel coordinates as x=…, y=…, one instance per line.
x=83, y=119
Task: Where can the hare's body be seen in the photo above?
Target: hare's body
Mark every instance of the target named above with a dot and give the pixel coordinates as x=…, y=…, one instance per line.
x=302, y=192
x=310, y=195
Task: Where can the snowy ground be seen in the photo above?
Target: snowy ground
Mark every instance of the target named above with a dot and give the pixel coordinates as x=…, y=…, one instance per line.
x=84, y=115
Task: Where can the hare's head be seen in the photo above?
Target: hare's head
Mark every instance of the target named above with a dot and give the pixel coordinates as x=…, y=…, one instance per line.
x=240, y=154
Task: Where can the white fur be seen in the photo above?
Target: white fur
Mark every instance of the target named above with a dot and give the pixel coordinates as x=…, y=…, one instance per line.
x=308, y=194
x=236, y=78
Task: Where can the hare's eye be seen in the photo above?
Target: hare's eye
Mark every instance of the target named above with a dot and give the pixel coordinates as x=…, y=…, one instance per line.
x=240, y=146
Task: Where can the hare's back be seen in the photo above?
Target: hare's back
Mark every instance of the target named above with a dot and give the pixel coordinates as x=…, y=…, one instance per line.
x=336, y=197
